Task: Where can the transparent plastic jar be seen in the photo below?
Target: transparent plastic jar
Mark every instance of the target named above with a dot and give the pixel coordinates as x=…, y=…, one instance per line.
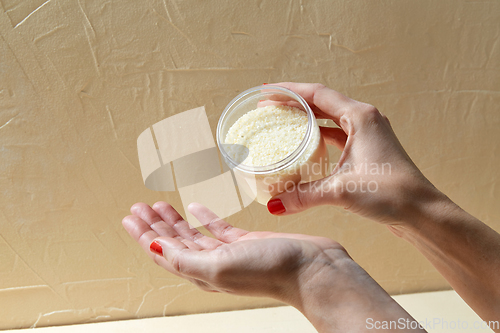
x=308, y=162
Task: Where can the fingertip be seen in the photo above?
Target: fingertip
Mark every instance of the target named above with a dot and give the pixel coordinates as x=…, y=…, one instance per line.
x=156, y=248
x=126, y=221
x=132, y=224
x=160, y=204
x=137, y=207
x=194, y=207
x=301, y=197
x=275, y=206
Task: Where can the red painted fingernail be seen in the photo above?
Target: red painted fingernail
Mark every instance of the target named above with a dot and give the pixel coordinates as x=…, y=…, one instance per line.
x=264, y=83
x=276, y=207
x=155, y=247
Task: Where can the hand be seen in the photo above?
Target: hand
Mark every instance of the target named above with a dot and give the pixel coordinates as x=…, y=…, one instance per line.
x=463, y=249
x=313, y=274
x=374, y=176
x=236, y=261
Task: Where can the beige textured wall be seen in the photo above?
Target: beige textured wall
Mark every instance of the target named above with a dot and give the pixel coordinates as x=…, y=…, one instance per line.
x=80, y=80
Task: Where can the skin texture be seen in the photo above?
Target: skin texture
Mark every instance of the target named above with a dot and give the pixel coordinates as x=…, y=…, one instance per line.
x=463, y=249
x=293, y=268
x=315, y=274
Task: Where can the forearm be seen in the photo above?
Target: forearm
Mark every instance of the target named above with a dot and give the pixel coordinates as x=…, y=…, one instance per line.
x=463, y=249
x=342, y=297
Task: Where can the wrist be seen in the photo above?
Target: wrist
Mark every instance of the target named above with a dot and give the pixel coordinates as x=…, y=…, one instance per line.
x=432, y=219
x=424, y=203
x=323, y=286
x=314, y=276
x=335, y=292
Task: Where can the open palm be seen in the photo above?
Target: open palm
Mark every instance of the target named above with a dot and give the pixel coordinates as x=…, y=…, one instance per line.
x=235, y=261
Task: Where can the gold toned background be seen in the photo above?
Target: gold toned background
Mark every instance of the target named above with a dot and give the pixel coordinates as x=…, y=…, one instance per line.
x=80, y=80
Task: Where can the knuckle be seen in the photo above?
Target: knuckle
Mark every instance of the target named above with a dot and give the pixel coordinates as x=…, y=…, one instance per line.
x=340, y=195
x=157, y=259
x=318, y=86
x=214, y=221
x=370, y=111
x=369, y=114
x=301, y=197
x=177, y=222
x=195, y=237
x=304, y=194
x=386, y=119
x=225, y=230
x=143, y=237
x=176, y=263
x=344, y=121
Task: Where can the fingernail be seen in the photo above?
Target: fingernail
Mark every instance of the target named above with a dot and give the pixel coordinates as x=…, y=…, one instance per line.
x=155, y=247
x=264, y=84
x=276, y=207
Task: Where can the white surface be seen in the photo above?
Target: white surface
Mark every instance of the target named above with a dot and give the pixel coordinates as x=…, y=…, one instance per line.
x=442, y=311
x=434, y=309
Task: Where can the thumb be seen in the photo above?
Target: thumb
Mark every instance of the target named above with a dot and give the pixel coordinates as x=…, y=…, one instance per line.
x=300, y=197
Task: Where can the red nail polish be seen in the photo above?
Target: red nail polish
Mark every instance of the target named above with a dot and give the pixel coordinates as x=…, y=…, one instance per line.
x=264, y=83
x=155, y=247
x=276, y=207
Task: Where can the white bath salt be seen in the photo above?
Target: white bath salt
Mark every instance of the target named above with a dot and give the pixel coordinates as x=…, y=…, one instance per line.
x=267, y=135
x=270, y=134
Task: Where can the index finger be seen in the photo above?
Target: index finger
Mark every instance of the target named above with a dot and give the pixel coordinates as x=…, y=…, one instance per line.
x=222, y=230
x=329, y=101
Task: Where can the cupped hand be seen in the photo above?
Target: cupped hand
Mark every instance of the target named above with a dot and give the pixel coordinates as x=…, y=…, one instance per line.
x=236, y=261
x=374, y=176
